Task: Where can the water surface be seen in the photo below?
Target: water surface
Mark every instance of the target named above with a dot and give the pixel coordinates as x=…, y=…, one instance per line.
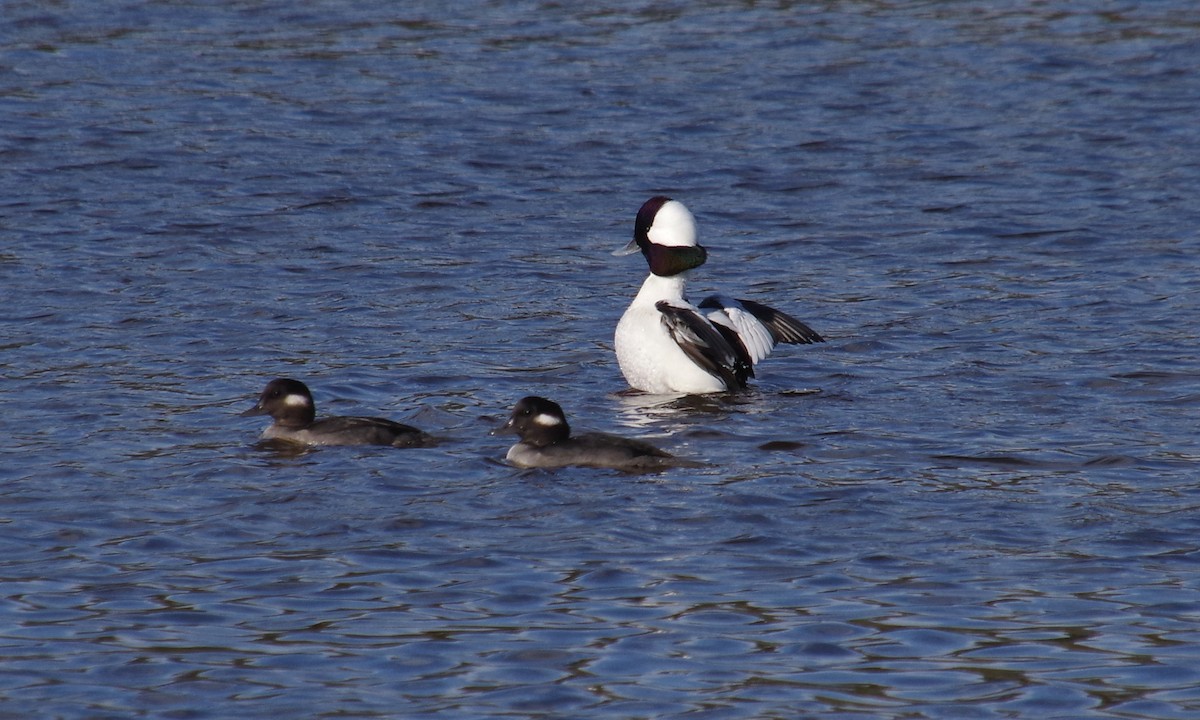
x=977, y=500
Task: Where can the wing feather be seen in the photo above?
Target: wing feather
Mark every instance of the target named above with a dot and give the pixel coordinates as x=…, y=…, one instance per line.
x=752, y=334
x=706, y=345
x=754, y=318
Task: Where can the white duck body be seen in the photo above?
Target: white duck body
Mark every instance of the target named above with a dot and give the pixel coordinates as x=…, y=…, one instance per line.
x=650, y=358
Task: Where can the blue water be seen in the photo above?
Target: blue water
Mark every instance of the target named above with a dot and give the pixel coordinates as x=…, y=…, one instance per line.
x=979, y=499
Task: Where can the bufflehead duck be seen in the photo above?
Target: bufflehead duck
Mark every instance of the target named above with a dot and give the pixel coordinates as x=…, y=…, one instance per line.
x=546, y=442
x=665, y=344
x=290, y=405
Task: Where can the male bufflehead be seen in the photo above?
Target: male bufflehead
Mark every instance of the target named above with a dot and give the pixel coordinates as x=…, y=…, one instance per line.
x=546, y=442
x=665, y=344
x=291, y=406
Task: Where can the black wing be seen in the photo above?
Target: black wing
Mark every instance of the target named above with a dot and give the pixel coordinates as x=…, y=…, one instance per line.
x=707, y=345
x=783, y=327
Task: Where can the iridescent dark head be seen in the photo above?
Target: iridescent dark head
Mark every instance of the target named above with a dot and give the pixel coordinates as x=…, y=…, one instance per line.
x=665, y=232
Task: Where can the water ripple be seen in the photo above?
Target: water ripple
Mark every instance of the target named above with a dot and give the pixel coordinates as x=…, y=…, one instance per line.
x=976, y=500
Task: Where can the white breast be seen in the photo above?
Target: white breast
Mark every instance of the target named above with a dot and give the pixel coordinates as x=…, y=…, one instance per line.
x=649, y=358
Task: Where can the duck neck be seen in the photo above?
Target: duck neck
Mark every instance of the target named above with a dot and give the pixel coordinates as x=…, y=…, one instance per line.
x=657, y=287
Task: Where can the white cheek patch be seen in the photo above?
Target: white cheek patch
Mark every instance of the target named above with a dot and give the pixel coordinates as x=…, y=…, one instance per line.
x=295, y=400
x=546, y=420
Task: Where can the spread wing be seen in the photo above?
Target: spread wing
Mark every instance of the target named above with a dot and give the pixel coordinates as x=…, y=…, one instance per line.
x=735, y=321
x=759, y=326
x=707, y=345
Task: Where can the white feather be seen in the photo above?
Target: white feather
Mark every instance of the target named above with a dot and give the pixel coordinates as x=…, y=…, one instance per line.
x=755, y=336
x=673, y=226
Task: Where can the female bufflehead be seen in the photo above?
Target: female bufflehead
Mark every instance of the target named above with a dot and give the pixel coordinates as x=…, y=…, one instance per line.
x=290, y=404
x=546, y=442
x=664, y=343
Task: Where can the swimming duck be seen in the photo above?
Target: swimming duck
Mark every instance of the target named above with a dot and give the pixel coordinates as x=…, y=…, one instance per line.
x=546, y=442
x=290, y=405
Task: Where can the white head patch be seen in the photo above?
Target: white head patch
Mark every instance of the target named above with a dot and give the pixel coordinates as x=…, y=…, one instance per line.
x=294, y=400
x=673, y=226
x=546, y=420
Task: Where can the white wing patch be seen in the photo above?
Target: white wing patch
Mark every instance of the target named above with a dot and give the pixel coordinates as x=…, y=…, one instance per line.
x=755, y=336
